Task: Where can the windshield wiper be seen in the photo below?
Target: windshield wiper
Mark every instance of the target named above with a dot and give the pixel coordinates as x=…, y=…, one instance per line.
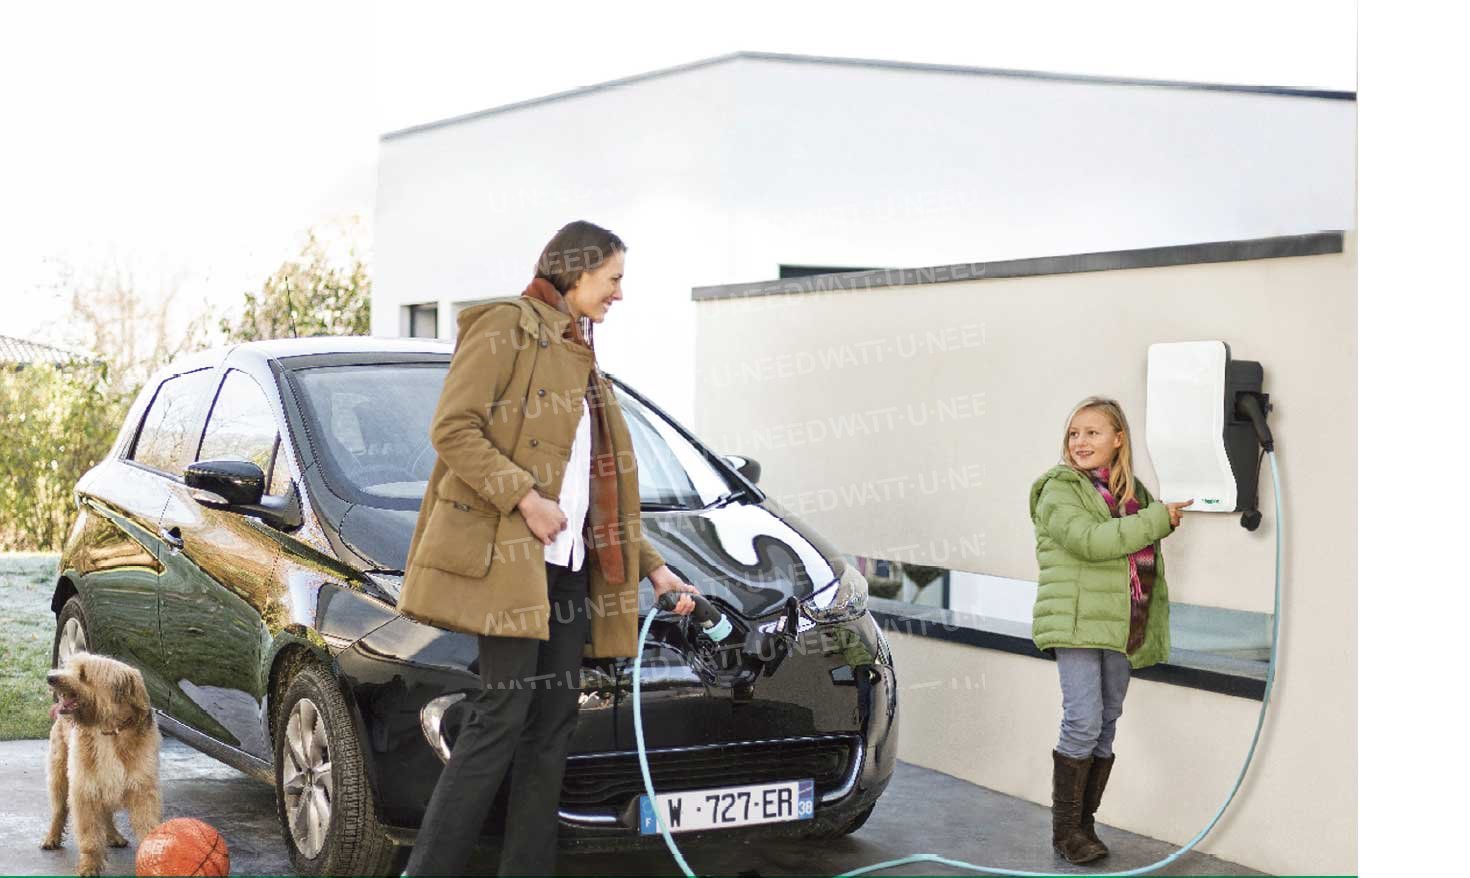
x=727, y=498
x=724, y=499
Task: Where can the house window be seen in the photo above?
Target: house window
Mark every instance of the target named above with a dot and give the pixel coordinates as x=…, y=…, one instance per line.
x=422, y=320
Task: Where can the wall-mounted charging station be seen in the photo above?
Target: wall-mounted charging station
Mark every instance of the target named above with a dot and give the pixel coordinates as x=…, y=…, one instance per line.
x=1206, y=426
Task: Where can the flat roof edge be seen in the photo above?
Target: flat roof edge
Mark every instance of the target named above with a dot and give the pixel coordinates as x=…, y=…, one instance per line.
x=1312, y=244
x=571, y=92
x=921, y=66
x=1096, y=79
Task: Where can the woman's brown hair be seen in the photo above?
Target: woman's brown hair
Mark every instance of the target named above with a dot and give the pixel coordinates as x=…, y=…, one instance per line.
x=576, y=247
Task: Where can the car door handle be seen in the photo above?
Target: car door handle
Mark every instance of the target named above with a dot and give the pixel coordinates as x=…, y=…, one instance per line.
x=173, y=536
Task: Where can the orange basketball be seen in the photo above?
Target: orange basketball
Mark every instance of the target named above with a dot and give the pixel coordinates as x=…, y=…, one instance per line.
x=183, y=846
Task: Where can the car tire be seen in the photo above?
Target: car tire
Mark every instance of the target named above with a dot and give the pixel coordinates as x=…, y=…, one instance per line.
x=71, y=631
x=313, y=728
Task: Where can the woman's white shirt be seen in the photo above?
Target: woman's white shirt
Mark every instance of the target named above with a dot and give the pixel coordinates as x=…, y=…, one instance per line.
x=569, y=549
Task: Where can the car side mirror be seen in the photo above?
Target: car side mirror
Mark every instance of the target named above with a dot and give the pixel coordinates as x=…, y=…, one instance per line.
x=746, y=466
x=235, y=482
x=239, y=486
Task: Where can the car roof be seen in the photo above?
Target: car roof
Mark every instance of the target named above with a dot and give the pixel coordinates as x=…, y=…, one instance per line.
x=264, y=351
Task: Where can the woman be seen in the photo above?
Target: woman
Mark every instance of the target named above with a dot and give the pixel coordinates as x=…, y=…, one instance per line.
x=1101, y=604
x=529, y=537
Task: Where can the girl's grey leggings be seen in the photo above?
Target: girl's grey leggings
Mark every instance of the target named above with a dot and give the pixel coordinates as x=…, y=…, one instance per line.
x=1094, y=682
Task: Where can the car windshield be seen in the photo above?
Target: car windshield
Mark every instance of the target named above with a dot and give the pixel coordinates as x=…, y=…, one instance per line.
x=370, y=427
x=370, y=423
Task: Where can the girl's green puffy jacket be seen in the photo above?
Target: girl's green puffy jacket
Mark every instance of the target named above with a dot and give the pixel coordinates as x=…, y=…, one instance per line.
x=1082, y=591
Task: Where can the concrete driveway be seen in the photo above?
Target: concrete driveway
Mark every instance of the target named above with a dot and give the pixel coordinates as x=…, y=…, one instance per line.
x=922, y=811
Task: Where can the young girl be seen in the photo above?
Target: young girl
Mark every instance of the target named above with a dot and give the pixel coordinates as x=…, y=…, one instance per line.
x=1102, y=604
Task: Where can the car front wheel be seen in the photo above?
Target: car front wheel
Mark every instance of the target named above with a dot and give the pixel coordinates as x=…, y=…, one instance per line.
x=322, y=796
x=71, y=632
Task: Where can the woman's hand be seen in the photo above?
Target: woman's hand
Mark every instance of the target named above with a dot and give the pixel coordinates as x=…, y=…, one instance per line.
x=1175, y=516
x=665, y=580
x=543, y=516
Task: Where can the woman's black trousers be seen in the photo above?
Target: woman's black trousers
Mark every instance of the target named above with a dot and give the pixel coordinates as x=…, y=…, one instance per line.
x=520, y=722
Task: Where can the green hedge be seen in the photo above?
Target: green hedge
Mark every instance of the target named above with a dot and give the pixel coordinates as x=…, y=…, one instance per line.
x=58, y=422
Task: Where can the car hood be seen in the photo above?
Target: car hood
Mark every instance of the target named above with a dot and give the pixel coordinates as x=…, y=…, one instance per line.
x=752, y=556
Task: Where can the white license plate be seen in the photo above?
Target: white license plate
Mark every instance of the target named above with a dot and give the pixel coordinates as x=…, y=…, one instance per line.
x=728, y=806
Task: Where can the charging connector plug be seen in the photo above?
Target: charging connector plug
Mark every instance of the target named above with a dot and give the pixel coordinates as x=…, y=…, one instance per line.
x=1253, y=407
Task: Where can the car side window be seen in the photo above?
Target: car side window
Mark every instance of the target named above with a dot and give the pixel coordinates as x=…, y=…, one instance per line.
x=280, y=478
x=242, y=426
x=171, y=424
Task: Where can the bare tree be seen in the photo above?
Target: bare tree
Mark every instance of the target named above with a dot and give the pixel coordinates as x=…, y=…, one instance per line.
x=134, y=325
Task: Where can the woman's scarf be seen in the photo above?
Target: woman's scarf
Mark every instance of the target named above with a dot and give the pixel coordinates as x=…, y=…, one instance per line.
x=602, y=509
x=1140, y=563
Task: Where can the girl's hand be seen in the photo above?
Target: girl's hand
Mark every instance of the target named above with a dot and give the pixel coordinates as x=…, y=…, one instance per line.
x=1175, y=516
x=665, y=580
x=543, y=516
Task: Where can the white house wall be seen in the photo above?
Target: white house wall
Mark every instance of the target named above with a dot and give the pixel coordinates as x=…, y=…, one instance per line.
x=722, y=173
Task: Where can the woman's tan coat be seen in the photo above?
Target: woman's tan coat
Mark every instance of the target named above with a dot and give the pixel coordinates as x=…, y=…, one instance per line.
x=505, y=422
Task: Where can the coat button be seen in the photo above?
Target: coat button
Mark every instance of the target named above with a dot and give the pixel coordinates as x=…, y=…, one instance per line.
x=535, y=442
x=545, y=343
x=541, y=392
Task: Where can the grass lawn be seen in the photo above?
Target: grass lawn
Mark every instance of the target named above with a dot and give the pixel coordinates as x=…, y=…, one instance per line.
x=27, y=628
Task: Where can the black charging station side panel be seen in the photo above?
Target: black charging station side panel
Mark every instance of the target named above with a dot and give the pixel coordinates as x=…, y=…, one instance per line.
x=1241, y=445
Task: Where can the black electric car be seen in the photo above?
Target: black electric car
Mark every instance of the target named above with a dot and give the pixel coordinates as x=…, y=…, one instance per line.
x=242, y=545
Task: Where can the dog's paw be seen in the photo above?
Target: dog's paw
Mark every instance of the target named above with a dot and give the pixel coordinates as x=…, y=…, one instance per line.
x=50, y=842
x=117, y=842
x=87, y=868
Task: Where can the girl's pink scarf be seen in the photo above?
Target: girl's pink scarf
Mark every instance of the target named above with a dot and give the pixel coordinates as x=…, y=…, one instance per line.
x=1144, y=556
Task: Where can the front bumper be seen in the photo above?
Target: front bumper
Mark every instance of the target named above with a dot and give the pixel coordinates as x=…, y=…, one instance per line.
x=829, y=712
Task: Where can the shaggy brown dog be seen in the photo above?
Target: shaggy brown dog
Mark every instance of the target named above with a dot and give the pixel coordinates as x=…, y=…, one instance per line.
x=103, y=756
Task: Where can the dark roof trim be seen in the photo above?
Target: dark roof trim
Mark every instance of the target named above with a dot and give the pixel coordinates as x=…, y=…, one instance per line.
x=1312, y=244
x=1283, y=91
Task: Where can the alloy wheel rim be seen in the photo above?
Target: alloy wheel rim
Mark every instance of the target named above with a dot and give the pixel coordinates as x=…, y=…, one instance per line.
x=306, y=778
x=73, y=640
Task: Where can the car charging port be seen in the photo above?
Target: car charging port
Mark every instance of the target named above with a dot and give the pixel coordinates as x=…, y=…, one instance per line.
x=764, y=651
x=745, y=654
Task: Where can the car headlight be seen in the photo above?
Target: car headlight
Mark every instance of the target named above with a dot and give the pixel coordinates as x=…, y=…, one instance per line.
x=847, y=599
x=431, y=720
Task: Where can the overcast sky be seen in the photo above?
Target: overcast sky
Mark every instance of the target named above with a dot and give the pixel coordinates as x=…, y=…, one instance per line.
x=198, y=141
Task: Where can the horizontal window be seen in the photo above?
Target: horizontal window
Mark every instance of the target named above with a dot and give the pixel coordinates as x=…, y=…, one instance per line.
x=1211, y=647
x=421, y=321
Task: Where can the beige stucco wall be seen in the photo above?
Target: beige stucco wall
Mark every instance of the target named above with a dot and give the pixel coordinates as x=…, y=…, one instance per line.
x=909, y=422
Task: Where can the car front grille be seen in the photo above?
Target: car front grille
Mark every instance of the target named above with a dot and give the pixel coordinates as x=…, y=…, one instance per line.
x=611, y=780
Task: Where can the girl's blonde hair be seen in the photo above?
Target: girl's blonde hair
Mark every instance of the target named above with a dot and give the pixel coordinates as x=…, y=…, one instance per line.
x=1120, y=474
